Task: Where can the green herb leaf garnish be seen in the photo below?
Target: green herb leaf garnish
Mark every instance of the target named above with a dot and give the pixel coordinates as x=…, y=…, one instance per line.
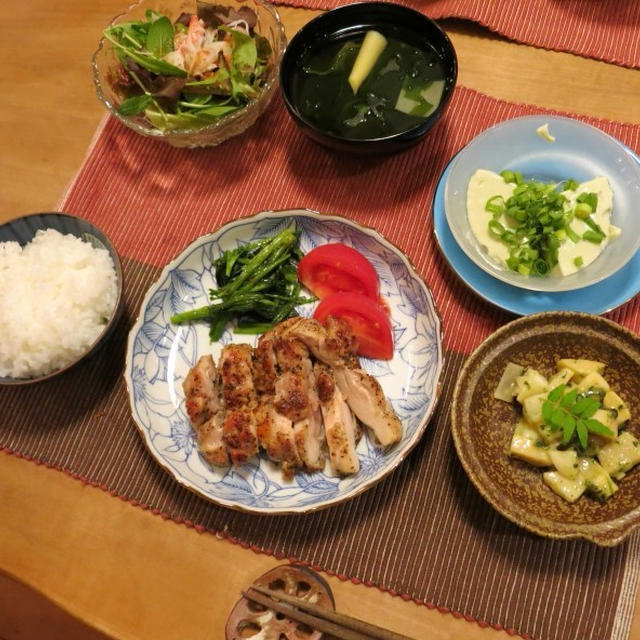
x=572, y=413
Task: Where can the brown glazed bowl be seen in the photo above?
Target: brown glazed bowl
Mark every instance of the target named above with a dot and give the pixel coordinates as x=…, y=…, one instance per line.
x=482, y=426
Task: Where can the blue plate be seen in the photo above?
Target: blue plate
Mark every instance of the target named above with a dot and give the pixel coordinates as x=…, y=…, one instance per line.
x=596, y=299
x=160, y=354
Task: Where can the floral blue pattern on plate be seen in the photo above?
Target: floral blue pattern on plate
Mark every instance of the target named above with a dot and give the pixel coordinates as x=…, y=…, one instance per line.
x=596, y=299
x=160, y=354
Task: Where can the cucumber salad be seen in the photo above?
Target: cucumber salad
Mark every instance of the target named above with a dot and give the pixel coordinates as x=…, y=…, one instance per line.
x=190, y=73
x=573, y=426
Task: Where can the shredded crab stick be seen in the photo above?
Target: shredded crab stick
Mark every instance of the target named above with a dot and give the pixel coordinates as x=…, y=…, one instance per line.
x=198, y=50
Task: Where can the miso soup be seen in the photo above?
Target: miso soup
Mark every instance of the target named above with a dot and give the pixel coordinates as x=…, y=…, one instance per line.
x=403, y=88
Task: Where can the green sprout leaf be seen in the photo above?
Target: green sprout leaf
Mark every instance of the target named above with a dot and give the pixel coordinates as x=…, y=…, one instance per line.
x=557, y=393
x=595, y=426
x=569, y=399
x=583, y=434
x=572, y=413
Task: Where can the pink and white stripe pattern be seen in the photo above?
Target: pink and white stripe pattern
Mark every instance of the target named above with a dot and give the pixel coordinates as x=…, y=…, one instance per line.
x=604, y=30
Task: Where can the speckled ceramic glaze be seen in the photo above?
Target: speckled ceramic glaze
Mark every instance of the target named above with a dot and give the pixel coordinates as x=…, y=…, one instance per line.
x=23, y=230
x=482, y=426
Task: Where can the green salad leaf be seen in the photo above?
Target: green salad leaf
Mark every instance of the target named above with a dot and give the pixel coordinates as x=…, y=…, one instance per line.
x=160, y=37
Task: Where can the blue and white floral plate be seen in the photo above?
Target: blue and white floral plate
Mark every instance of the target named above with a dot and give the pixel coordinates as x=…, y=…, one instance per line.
x=160, y=354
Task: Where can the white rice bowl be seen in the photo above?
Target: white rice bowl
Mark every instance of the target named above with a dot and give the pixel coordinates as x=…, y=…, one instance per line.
x=57, y=294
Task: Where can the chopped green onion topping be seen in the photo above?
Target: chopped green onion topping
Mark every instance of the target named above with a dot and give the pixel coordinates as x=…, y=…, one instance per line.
x=495, y=205
x=582, y=210
x=592, y=236
x=496, y=229
x=588, y=198
x=538, y=219
x=578, y=261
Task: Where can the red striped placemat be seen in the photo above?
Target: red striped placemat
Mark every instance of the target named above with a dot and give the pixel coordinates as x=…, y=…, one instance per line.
x=604, y=30
x=424, y=532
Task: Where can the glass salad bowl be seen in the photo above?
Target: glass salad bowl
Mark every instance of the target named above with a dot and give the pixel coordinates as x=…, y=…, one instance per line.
x=107, y=73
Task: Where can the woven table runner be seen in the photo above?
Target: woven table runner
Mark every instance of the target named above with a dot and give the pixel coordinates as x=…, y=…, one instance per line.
x=606, y=30
x=424, y=532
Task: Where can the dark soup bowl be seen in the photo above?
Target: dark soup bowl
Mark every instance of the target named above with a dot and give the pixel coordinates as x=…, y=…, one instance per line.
x=395, y=102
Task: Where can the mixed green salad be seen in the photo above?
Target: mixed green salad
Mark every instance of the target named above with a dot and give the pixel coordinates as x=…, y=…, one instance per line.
x=190, y=73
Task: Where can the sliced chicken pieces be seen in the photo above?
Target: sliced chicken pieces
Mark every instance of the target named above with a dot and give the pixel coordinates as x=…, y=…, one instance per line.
x=365, y=397
x=275, y=397
x=276, y=436
x=335, y=346
x=202, y=392
x=204, y=407
x=211, y=442
x=339, y=424
x=238, y=428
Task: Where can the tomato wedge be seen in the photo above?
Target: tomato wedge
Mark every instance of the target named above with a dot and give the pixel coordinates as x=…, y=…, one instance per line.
x=332, y=268
x=367, y=319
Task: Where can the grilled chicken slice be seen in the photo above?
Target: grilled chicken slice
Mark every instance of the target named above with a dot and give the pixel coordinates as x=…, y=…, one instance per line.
x=339, y=424
x=309, y=436
x=238, y=428
x=239, y=435
x=236, y=375
x=295, y=395
x=265, y=365
x=211, y=442
x=314, y=336
x=202, y=392
x=365, y=397
x=277, y=438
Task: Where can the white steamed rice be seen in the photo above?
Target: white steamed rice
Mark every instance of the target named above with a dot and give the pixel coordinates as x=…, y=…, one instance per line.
x=56, y=294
